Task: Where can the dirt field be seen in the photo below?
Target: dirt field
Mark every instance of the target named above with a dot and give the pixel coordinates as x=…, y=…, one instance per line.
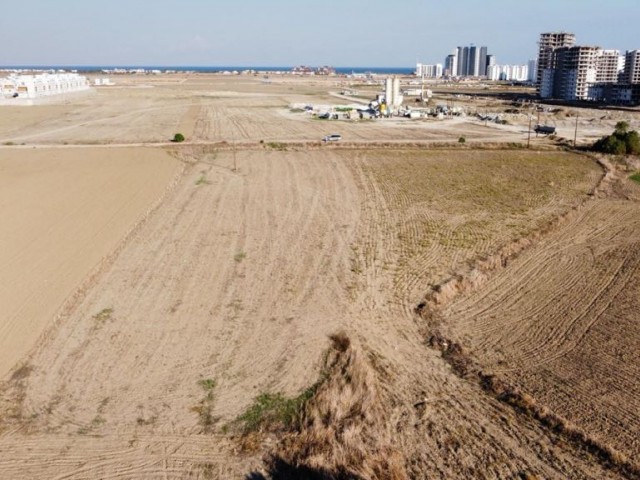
x=226, y=284
x=562, y=322
x=62, y=214
x=215, y=108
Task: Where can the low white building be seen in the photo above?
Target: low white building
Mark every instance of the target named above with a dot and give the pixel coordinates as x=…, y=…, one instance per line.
x=42, y=85
x=429, y=71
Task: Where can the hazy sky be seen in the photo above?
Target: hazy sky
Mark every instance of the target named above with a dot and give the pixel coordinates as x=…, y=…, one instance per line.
x=292, y=32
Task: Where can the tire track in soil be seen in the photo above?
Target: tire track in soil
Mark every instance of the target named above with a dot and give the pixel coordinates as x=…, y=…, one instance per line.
x=184, y=309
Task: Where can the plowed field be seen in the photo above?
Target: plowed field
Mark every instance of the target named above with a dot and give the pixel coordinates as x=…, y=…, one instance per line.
x=158, y=291
x=562, y=322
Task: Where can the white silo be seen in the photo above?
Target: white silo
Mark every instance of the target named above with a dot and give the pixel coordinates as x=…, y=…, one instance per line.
x=397, y=100
x=388, y=93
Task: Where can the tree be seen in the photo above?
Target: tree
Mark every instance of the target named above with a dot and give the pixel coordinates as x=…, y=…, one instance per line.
x=632, y=142
x=622, y=127
x=620, y=142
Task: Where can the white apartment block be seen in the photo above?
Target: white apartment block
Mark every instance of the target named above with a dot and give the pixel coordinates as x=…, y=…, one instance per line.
x=514, y=73
x=42, y=85
x=429, y=71
x=609, y=64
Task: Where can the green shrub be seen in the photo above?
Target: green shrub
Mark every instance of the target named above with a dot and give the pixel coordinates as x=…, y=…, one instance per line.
x=178, y=137
x=273, y=411
x=462, y=140
x=620, y=142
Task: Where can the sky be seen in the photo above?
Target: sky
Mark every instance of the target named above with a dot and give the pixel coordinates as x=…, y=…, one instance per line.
x=339, y=33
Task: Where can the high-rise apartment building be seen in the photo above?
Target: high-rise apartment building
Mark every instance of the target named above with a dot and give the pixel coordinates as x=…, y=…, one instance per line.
x=463, y=61
x=533, y=71
x=473, y=68
x=549, y=42
x=482, y=63
x=631, y=67
x=471, y=61
x=569, y=72
x=607, y=66
x=451, y=65
x=573, y=71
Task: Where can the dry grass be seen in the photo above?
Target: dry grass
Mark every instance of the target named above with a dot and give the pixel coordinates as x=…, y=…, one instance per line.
x=343, y=433
x=448, y=208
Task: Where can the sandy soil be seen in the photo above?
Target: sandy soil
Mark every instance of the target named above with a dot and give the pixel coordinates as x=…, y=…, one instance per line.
x=562, y=322
x=255, y=255
x=62, y=214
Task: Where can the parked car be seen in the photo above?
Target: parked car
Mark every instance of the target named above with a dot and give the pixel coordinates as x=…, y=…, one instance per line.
x=334, y=137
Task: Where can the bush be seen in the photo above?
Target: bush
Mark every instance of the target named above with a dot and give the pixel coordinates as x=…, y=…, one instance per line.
x=462, y=140
x=620, y=142
x=178, y=137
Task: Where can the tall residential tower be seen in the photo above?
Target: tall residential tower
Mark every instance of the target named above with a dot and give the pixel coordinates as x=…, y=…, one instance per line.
x=631, y=67
x=548, y=43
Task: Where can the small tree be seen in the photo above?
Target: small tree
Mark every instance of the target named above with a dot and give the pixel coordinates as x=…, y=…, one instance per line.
x=622, y=127
x=462, y=140
x=621, y=141
x=178, y=137
x=632, y=141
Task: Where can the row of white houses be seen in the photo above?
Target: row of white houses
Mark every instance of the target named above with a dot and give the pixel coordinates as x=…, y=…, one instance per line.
x=45, y=84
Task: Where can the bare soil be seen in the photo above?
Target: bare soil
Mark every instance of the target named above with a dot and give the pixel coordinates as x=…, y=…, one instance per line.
x=63, y=214
x=228, y=267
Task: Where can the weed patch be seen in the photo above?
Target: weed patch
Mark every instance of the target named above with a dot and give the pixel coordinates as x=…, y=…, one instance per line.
x=202, y=180
x=274, y=411
x=635, y=177
x=239, y=257
x=103, y=315
x=204, y=409
x=282, y=147
x=207, y=384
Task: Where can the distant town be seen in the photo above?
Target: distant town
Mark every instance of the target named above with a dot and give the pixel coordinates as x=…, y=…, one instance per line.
x=562, y=71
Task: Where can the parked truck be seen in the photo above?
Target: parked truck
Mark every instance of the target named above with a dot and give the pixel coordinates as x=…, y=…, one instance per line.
x=545, y=129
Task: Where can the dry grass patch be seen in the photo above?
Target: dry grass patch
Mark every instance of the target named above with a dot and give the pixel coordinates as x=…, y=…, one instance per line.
x=450, y=206
x=343, y=430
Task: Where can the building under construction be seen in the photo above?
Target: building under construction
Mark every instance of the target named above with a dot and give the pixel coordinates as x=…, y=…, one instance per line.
x=574, y=70
x=586, y=73
x=549, y=42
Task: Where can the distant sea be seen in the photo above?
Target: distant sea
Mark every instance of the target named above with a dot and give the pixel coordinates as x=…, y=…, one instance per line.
x=212, y=69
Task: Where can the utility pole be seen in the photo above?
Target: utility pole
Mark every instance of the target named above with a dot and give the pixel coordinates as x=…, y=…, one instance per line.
x=575, y=134
x=529, y=135
x=233, y=140
x=235, y=162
